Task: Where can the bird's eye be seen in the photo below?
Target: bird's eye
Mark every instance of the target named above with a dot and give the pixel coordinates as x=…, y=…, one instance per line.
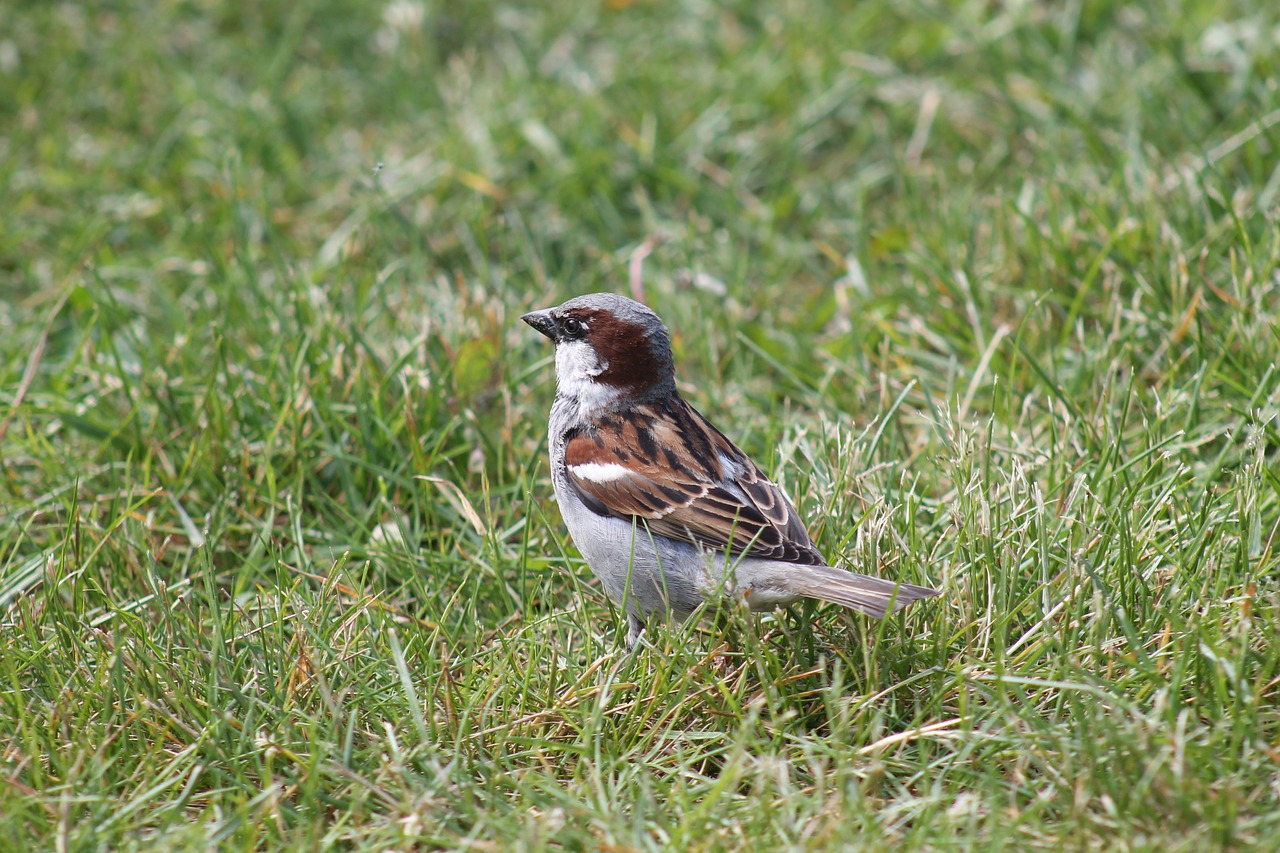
x=572, y=327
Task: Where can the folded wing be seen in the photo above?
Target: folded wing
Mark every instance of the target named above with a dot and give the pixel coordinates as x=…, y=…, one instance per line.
x=685, y=480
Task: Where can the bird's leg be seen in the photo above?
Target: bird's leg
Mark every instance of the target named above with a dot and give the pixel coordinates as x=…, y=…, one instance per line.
x=635, y=627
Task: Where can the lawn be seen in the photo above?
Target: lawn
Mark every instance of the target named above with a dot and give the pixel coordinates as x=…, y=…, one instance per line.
x=990, y=288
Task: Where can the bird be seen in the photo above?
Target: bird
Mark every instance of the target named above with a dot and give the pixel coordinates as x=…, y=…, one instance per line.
x=665, y=509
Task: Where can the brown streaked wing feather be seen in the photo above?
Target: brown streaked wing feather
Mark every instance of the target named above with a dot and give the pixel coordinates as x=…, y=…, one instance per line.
x=770, y=502
x=693, y=498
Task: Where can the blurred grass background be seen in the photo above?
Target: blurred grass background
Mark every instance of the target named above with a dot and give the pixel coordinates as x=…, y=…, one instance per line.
x=991, y=288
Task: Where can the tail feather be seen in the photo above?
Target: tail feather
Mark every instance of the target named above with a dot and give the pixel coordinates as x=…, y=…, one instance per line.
x=864, y=593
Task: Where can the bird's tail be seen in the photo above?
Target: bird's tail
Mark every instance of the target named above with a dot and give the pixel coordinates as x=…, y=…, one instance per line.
x=866, y=594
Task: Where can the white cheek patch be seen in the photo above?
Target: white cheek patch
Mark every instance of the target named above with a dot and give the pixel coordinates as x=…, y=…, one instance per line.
x=577, y=367
x=600, y=472
x=576, y=363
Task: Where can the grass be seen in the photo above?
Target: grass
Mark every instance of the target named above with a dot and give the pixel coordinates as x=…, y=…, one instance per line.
x=991, y=288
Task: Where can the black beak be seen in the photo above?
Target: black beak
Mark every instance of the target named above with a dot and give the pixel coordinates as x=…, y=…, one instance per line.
x=542, y=321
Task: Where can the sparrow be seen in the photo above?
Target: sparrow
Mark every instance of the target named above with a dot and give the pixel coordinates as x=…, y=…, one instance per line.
x=667, y=511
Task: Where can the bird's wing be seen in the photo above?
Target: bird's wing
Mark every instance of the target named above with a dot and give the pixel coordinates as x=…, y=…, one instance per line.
x=664, y=464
